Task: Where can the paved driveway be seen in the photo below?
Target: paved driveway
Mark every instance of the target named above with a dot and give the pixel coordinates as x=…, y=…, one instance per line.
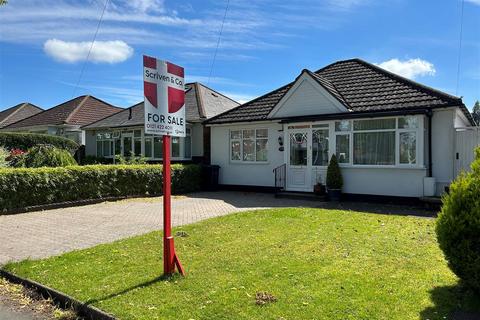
x=46, y=233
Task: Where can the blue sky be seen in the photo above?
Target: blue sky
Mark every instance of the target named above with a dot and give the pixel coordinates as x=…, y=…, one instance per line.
x=265, y=44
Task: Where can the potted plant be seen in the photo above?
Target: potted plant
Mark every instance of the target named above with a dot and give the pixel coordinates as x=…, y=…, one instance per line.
x=319, y=189
x=334, y=179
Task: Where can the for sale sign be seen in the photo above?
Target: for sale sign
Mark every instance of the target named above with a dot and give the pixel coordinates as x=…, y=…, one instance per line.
x=164, y=91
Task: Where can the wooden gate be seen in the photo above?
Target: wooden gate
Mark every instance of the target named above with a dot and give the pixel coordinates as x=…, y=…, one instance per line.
x=466, y=140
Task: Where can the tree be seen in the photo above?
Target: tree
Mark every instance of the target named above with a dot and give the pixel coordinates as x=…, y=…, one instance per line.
x=476, y=112
x=2, y=2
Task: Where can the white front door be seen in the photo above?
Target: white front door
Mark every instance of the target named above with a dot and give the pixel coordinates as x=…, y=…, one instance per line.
x=307, y=156
x=299, y=161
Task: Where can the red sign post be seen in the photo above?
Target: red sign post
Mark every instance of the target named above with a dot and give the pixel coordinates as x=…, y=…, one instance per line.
x=164, y=92
x=170, y=258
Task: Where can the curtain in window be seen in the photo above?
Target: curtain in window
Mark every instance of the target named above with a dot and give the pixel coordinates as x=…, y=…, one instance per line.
x=408, y=147
x=374, y=148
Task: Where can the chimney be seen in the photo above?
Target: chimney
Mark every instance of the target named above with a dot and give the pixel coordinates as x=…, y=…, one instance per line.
x=129, y=113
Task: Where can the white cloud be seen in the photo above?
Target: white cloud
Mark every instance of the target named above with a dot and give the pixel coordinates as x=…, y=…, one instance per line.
x=477, y=2
x=409, y=68
x=102, y=51
x=239, y=97
x=146, y=5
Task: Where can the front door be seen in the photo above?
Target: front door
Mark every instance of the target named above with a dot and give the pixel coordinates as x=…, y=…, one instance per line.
x=298, y=173
x=307, y=156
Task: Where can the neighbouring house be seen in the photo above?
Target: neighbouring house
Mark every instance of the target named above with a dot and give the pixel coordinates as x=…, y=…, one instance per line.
x=66, y=119
x=17, y=113
x=123, y=133
x=392, y=136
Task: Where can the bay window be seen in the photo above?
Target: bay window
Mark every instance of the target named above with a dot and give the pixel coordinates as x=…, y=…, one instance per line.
x=249, y=145
x=378, y=142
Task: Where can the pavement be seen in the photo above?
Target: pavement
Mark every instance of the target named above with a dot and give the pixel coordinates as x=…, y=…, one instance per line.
x=7, y=313
x=48, y=233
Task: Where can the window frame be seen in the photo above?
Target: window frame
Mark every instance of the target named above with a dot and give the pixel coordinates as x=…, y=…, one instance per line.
x=254, y=139
x=103, y=139
x=419, y=132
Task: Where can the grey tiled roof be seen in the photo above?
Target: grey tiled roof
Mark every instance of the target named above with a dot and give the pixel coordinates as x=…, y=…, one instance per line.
x=17, y=113
x=201, y=103
x=359, y=86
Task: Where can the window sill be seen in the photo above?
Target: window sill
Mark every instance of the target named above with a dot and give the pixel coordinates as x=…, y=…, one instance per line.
x=249, y=162
x=366, y=166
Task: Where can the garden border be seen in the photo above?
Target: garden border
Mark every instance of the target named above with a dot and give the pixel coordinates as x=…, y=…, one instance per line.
x=59, y=298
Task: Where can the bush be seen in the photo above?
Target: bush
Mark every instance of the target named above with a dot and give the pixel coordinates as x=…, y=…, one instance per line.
x=89, y=160
x=334, y=176
x=45, y=156
x=130, y=160
x=458, y=226
x=4, y=155
x=23, y=187
x=25, y=141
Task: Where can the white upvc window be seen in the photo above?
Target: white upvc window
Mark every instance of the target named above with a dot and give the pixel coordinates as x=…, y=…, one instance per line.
x=407, y=140
x=249, y=145
x=104, y=144
x=379, y=142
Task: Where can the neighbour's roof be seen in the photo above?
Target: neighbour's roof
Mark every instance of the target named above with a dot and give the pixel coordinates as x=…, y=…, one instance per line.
x=360, y=86
x=201, y=103
x=81, y=110
x=17, y=113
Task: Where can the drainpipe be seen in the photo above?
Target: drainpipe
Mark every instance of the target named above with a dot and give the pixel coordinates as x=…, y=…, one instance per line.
x=430, y=162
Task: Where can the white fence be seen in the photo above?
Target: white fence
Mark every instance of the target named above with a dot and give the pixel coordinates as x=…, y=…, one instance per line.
x=466, y=140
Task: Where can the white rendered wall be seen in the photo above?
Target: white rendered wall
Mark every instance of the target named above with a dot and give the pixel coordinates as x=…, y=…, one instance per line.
x=443, y=135
x=253, y=174
x=90, y=143
x=384, y=181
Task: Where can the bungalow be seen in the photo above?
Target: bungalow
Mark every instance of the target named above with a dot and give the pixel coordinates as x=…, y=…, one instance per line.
x=123, y=132
x=392, y=136
x=66, y=118
x=17, y=113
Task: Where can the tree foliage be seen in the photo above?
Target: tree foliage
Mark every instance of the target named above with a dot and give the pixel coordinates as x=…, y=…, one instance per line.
x=476, y=112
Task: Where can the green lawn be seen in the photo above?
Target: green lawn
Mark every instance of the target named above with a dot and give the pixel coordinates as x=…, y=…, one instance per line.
x=319, y=264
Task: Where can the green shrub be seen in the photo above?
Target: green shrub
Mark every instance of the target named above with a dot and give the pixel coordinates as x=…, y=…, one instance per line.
x=46, y=156
x=4, y=154
x=334, y=176
x=23, y=187
x=458, y=226
x=119, y=159
x=89, y=160
x=25, y=141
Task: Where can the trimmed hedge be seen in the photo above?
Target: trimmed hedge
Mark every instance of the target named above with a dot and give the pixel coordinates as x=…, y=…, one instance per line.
x=20, y=188
x=25, y=141
x=458, y=226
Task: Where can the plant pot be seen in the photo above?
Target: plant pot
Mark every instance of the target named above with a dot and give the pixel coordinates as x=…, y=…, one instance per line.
x=334, y=194
x=319, y=189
